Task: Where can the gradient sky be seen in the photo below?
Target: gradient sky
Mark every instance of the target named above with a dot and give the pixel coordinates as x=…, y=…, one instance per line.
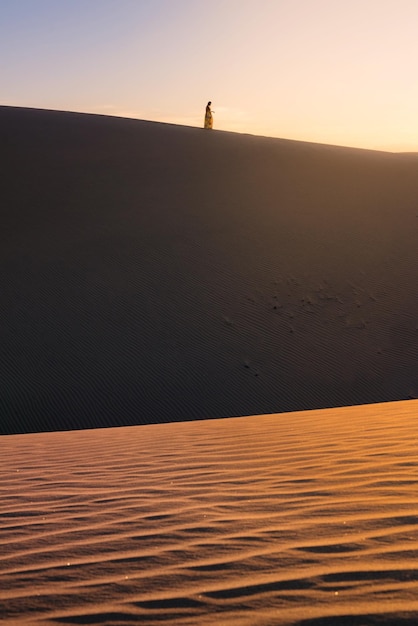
x=330, y=71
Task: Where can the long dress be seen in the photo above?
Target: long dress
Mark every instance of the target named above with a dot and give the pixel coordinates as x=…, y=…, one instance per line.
x=208, y=118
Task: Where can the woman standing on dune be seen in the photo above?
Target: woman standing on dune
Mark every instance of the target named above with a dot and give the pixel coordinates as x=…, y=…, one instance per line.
x=208, y=116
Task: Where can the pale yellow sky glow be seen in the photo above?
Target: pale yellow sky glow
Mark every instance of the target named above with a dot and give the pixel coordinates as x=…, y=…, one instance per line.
x=327, y=71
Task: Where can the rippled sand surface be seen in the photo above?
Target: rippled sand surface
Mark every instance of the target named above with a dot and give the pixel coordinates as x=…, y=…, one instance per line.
x=306, y=518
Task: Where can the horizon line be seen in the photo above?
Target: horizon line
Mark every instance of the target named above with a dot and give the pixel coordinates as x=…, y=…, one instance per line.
x=234, y=132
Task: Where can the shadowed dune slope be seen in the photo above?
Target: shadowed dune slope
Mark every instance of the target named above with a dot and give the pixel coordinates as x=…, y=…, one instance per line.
x=307, y=519
x=152, y=272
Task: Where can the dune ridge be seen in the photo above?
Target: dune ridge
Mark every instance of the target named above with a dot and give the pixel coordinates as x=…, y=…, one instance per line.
x=306, y=518
x=155, y=273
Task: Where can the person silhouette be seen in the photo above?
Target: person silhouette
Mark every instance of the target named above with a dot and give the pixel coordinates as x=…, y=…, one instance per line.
x=208, y=116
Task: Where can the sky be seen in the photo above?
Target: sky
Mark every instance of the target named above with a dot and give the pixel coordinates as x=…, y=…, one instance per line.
x=340, y=72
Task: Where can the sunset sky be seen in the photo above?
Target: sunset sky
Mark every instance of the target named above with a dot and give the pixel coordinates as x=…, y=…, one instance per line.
x=329, y=71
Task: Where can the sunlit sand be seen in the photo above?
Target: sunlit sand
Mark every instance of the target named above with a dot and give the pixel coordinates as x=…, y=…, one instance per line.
x=278, y=519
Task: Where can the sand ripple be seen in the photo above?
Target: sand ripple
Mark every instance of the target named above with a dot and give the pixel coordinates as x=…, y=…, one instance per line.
x=304, y=518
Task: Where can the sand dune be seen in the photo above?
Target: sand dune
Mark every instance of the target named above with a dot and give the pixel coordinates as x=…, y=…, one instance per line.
x=156, y=273
x=304, y=518
x=153, y=273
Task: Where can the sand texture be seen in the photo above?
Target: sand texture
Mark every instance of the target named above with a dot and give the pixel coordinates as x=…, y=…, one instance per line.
x=154, y=273
x=304, y=518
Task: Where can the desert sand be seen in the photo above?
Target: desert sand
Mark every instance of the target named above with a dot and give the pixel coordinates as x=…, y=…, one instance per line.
x=154, y=276
x=306, y=518
x=154, y=273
